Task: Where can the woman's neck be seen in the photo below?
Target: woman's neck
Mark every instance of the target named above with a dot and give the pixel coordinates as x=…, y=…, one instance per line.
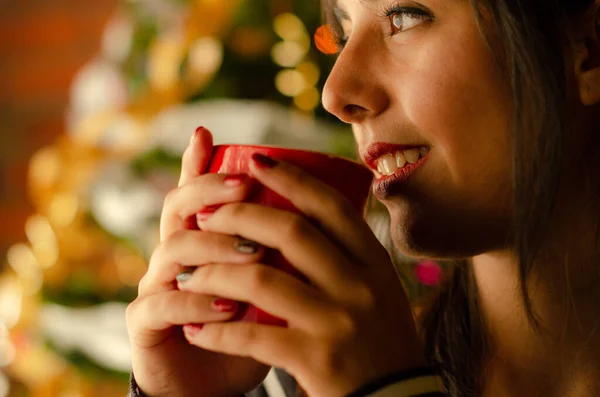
x=565, y=296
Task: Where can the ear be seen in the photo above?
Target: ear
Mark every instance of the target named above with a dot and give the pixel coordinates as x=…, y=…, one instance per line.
x=587, y=57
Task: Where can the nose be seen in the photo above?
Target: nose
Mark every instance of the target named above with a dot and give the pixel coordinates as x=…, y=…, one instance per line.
x=353, y=91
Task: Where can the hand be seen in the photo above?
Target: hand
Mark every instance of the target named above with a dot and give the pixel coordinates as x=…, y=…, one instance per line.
x=164, y=363
x=351, y=325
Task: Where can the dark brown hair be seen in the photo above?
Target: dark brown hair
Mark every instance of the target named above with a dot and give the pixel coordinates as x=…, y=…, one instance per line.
x=533, y=35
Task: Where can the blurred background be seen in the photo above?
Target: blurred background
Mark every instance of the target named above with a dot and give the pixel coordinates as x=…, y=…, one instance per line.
x=98, y=99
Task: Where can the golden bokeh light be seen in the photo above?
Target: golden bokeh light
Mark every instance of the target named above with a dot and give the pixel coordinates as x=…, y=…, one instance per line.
x=290, y=82
x=309, y=99
x=44, y=168
x=205, y=56
x=310, y=71
x=288, y=53
x=32, y=281
x=38, y=229
x=289, y=27
x=43, y=240
x=164, y=61
x=21, y=258
x=46, y=253
x=11, y=298
x=63, y=209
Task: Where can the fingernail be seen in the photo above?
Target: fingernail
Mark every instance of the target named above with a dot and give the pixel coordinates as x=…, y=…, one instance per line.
x=247, y=246
x=263, y=161
x=234, y=180
x=196, y=133
x=192, y=329
x=205, y=213
x=225, y=305
x=185, y=275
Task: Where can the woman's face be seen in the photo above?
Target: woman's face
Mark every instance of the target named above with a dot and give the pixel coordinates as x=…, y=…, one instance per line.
x=421, y=74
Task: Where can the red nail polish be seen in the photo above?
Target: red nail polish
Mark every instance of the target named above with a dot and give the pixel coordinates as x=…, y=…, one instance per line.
x=263, y=161
x=198, y=131
x=234, y=180
x=225, y=305
x=192, y=329
x=206, y=213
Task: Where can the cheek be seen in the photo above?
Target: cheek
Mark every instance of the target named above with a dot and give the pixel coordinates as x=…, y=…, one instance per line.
x=457, y=99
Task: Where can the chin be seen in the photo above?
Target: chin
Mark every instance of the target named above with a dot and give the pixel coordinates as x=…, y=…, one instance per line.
x=425, y=233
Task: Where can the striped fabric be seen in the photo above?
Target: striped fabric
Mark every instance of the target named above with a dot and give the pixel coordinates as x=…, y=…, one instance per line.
x=280, y=384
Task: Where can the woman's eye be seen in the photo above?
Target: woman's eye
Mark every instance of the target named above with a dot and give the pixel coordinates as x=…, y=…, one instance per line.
x=406, y=19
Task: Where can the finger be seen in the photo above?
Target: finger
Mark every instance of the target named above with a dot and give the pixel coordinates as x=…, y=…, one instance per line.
x=150, y=317
x=198, y=194
x=265, y=287
x=301, y=243
x=275, y=346
x=325, y=204
x=188, y=248
x=196, y=156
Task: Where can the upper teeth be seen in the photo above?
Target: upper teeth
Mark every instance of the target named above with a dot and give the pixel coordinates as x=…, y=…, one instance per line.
x=390, y=163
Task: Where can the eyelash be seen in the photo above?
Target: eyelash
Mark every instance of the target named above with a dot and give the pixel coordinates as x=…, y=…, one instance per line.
x=387, y=14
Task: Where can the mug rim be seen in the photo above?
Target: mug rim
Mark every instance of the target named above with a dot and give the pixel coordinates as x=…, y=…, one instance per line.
x=288, y=149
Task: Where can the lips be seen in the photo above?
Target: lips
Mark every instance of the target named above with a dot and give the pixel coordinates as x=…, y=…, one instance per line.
x=388, y=185
x=378, y=153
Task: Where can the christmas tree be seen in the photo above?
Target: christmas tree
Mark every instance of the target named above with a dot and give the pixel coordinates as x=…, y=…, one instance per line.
x=249, y=71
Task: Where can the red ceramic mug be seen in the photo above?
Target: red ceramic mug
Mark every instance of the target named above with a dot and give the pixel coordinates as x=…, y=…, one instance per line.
x=352, y=179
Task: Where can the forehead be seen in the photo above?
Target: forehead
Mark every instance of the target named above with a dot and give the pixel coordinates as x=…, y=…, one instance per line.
x=345, y=8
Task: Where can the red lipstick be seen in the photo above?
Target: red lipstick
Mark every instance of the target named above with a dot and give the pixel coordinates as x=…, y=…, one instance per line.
x=384, y=186
x=388, y=185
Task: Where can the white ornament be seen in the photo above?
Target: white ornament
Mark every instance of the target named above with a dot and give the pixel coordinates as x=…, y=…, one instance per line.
x=100, y=332
x=122, y=204
x=99, y=86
